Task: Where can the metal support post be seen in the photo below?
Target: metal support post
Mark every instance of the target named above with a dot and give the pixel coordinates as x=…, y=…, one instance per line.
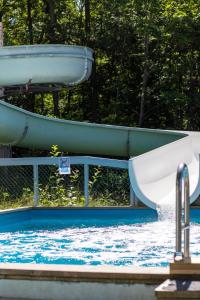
x=86, y=184
x=186, y=219
x=133, y=199
x=36, y=184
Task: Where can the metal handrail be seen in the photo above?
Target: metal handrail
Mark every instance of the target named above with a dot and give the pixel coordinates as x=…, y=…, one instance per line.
x=182, y=215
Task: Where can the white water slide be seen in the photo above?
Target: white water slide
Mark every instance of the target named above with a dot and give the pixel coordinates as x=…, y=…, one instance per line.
x=157, y=153
x=153, y=174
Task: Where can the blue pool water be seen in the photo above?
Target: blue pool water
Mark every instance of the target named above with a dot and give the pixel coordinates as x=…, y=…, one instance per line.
x=121, y=237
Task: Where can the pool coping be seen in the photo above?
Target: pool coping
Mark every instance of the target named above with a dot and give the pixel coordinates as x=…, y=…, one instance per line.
x=144, y=275
x=7, y=210
x=28, y=208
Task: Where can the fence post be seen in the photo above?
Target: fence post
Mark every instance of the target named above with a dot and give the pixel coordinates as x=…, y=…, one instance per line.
x=133, y=199
x=131, y=196
x=86, y=184
x=36, y=184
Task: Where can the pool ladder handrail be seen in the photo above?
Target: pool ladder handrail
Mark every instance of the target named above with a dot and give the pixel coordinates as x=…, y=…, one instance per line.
x=182, y=214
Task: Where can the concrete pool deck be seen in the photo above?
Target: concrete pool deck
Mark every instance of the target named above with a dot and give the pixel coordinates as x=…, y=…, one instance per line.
x=153, y=275
x=59, y=282
x=49, y=282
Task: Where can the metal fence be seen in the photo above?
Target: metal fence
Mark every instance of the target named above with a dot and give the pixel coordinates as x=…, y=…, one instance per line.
x=93, y=181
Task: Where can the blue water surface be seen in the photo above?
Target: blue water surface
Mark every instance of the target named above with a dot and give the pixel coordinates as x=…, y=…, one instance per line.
x=118, y=237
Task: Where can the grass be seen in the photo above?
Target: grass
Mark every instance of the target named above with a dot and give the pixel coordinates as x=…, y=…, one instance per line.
x=57, y=196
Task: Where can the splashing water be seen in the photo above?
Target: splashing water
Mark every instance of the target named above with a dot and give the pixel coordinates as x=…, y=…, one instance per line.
x=166, y=213
x=166, y=208
x=126, y=242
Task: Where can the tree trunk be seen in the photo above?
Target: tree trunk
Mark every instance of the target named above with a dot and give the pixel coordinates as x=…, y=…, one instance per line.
x=30, y=21
x=30, y=105
x=5, y=151
x=30, y=31
x=93, y=102
x=1, y=45
x=87, y=22
x=145, y=77
x=56, y=103
x=50, y=11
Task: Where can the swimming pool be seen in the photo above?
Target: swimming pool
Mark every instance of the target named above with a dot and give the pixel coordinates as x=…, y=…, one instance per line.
x=114, y=237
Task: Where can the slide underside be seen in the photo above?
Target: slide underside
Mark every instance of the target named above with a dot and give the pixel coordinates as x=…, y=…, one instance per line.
x=155, y=154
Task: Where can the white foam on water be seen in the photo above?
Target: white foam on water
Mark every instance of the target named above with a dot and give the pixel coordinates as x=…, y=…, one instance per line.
x=140, y=244
x=166, y=209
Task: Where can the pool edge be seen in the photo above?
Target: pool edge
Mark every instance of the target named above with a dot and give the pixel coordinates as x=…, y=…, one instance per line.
x=144, y=275
x=24, y=208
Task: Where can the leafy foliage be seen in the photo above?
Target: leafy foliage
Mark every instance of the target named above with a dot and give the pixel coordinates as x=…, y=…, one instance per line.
x=146, y=70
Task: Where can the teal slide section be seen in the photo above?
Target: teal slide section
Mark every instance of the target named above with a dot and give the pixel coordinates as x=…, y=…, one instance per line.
x=42, y=64
x=24, y=129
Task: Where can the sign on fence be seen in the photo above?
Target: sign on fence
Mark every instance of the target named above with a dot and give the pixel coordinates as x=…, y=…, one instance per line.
x=64, y=166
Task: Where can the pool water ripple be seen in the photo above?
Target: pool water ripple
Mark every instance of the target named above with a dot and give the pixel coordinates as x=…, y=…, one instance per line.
x=139, y=244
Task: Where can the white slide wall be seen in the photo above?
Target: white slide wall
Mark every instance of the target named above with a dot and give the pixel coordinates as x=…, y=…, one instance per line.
x=153, y=174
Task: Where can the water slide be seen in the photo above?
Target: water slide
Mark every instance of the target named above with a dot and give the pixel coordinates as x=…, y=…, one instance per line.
x=153, y=174
x=155, y=153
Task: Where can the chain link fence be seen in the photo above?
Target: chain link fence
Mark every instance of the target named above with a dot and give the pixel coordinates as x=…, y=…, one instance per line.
x=16, y=183
x=106, y=185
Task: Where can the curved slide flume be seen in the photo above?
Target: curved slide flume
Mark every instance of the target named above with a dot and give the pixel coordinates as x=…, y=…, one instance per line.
x=44, y=64
x=25, y=129
x=157, y=152
x=153, y=174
